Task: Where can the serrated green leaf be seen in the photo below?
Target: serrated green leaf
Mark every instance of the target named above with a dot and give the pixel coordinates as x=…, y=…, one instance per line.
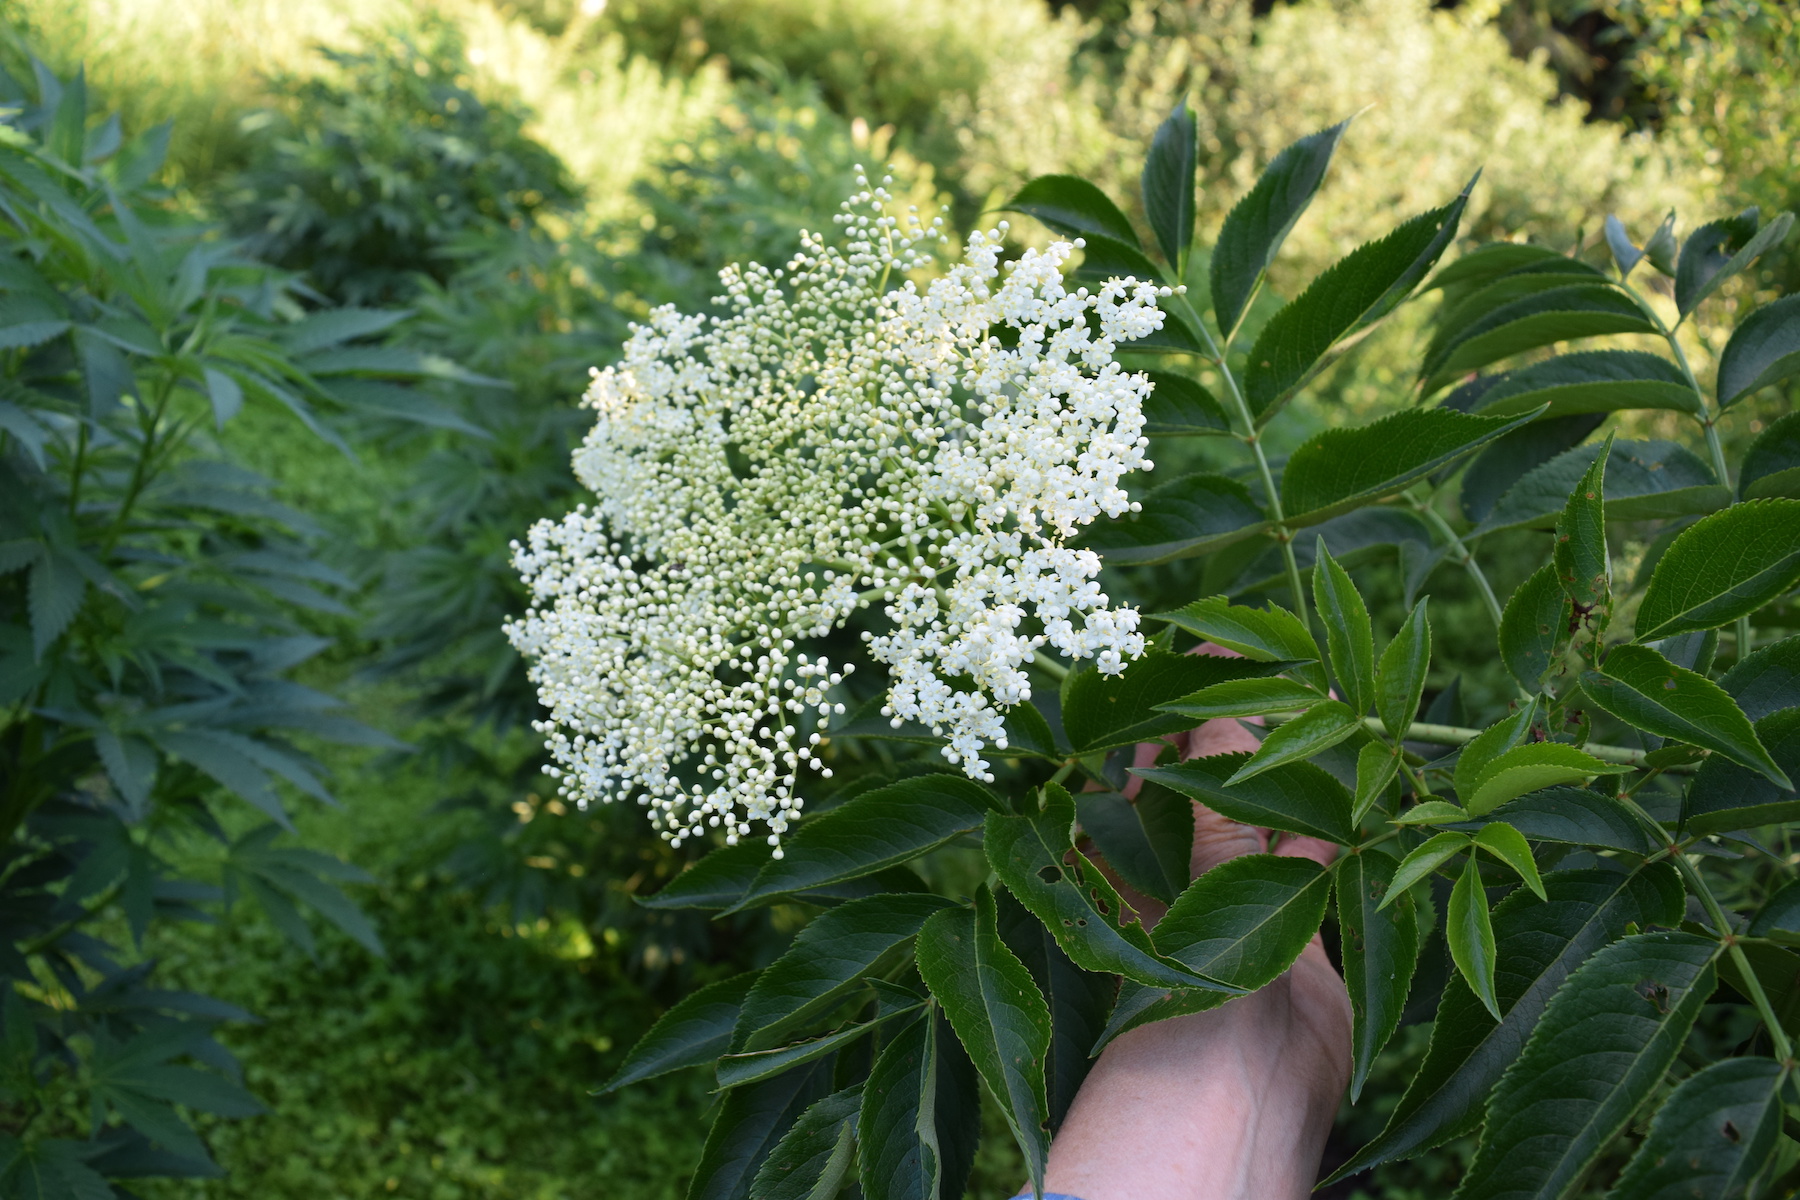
x=1035, y=857
x=1184, y=517
x=1349, y=636
x=1646, y=690
x=1314, y=731
x=1559, y=314
x=1258, y=224
x=751, y=1122
x=1538, y=943
x=55, y=594
x=1376, y=767
x=1296, y=797
x=1243, y=698
x=1079, y=1001
x=1718, y=250
x=1644, y=481
x=1432, y=812
x=1271, y=634
x=1509, y=458
x=1340, y=469
x=1763, y=350
x=1400, y=678
x=1179, y=407
x=719, y=880
x=1424, y=859
x=1712, y=1137
x=826, y=963
x=1344, y=299
x=920, y=1117
x=1780, y=916
x=695, y=1031
x=813, y=1160
x=741, y=1069
x=1102, y=712
x=1470, y=933
x=1575, y=816
x=1525, y=769
x=1244, y=921
x=1592, y=381
x=1534, y=628
x=1168, y=185
x=998, y=1013
x=1509, y=846
x=1467, y=308
x=1148, y=840
x=1490, y=261
x=1767, y=681
x=1771, y=465
x=1073, y=207
x=872, y=832
x=1380, y=953
x=1724, y=795
x=1601, y=1049
x=1580, y=556
x=1723, y=567
x=1472, y=760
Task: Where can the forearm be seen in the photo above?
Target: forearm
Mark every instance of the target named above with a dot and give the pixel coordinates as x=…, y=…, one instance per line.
x=1232, y=1104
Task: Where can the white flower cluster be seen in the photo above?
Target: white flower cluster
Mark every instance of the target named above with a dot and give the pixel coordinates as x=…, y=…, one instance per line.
x=828, y=443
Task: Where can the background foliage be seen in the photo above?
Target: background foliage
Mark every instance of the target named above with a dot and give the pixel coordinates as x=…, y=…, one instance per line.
x=621, y=154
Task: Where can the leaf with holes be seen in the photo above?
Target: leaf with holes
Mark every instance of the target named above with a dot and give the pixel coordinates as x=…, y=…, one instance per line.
x=1712, y=1137
x=1538, y=944
x=1147, y=840
x=1079, y=1001
x=1600, y=1051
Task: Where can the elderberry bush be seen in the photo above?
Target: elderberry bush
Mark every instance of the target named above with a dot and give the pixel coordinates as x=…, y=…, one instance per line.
x=1601, y=860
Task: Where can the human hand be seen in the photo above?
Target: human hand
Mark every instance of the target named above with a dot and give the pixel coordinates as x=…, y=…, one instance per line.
x=1231, y=1104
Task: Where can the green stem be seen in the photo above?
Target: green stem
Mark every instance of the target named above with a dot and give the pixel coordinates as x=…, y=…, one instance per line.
x=1457, y=735
x=1247, y=434
x=1709, y=425
x=1464, y=556
x=1058, y=671
x=51, y=936
x=1784, y=1050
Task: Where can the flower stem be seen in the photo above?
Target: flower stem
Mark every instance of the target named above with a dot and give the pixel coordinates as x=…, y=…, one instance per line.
x=1457, y=735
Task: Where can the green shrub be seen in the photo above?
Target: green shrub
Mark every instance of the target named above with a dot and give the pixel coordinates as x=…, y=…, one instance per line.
x=155, y=600
x=366, y=173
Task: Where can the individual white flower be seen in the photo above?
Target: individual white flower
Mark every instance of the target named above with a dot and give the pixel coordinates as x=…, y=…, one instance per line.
x=839, y=437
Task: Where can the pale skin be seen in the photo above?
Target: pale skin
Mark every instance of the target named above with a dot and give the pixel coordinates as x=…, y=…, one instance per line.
x=1231, y=1104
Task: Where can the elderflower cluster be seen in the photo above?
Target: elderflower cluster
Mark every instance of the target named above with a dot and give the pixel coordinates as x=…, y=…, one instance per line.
x=839, y=438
